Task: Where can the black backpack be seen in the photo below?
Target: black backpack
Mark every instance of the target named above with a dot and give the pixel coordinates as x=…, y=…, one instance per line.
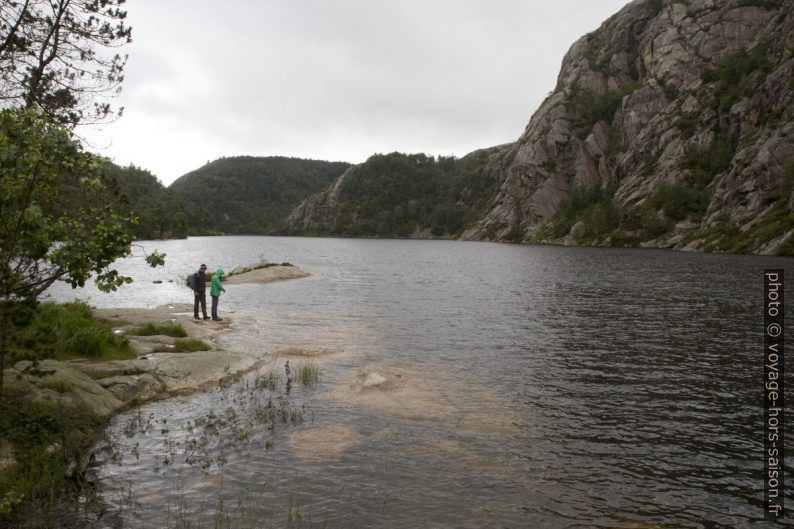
x=191, y=281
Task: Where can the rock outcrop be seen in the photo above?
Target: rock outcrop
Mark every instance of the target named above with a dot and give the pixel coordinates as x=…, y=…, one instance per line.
x=690, y=98
x=266, y=274
x=103, y=388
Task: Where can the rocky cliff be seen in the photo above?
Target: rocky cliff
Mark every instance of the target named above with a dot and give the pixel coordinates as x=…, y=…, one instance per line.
x=671, y=125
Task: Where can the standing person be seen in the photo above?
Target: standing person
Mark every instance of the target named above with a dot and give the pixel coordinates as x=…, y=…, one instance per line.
x=215, y=292
x=199, y=285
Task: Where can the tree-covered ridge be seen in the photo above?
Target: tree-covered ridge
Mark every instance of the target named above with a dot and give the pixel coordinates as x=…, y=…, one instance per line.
x=253, y=195
x=400, y=195
x=161, y=212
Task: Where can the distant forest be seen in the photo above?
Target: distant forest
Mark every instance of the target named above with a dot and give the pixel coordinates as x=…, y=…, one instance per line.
x=253, y=195
x=389, y=195
x=396, y=195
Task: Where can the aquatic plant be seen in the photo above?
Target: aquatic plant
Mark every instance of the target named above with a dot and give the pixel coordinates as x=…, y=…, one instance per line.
x=308, y=372
x=268, y=381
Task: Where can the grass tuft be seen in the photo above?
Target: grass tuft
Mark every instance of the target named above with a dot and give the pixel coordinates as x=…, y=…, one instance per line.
x=166, y=328
x=308, y=372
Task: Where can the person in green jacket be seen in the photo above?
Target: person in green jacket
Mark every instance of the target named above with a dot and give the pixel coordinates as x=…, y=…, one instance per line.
x=215, y=292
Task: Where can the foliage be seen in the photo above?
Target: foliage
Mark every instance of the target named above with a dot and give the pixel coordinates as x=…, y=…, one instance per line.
x=594, y=207
x=253, y=195
x=166, y=328
x=39, y=478
x=393, y=195
x=766, y=4
x=589, y=108
x=614, y=145
x=705, y=164
x=678, y=200
x=654, y=7
x=687, y=124
x=738, y=76
x=549, y=164
x=787, y=180
x=58, y=55
x=41, y=238
x=161, y=213
x=65, y=331
x=778, y=221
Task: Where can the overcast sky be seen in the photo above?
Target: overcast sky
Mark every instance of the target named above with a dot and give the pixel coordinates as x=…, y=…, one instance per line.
x=334, y=80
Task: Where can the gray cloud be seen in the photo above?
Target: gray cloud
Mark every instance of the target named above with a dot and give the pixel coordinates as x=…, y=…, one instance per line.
x=335, y=80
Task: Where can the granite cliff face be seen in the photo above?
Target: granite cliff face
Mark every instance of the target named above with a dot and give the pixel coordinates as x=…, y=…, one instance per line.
x=680, y=113
x=671, y=125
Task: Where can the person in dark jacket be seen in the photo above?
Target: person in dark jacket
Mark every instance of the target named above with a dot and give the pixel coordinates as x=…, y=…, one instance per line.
x=200, y=290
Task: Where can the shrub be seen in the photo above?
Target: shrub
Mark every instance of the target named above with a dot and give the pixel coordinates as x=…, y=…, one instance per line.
x=589, y=108
x=687, y=124
x=738, y=76
x=677, y=200
x=705, y=164
x=594, y=206
x=67, y=330
x=39, y=475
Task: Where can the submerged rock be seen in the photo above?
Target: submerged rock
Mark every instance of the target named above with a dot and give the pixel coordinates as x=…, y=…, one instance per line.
x=301, y=351
x=373, y=379
x=324, y=444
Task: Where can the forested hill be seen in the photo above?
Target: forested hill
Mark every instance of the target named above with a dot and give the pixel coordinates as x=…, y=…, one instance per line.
x=400, y=195
x=253, y=195
x=161, y=213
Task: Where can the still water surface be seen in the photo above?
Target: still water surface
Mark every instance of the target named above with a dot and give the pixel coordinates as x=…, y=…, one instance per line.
x=539, y=386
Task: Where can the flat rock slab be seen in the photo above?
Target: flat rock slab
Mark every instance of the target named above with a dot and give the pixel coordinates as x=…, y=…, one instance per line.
x=192, y=371
x=266, y=275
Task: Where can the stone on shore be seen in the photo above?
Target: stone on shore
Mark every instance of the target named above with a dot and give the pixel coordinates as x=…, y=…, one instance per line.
x=265, y=275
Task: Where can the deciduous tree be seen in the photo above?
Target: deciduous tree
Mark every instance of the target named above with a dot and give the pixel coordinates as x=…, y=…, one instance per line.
x=58, y=216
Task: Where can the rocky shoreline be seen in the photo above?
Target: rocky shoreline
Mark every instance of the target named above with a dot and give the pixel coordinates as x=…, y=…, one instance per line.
x=105, y=388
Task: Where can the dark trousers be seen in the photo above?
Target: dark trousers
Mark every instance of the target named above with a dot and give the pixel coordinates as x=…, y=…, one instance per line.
x=215, y=306
x=200, y=298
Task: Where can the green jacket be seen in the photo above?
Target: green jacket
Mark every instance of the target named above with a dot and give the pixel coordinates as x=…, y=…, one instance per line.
x=215, y=284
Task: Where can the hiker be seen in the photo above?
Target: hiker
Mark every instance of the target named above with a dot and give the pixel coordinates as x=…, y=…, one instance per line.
x=215, y=291
x=198, y=282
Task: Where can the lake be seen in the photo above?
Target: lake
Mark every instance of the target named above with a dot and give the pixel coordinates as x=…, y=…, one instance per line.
x=527, y=386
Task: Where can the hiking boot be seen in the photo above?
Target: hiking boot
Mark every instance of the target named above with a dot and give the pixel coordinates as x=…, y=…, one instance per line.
x=217, y=319
x=196, y=317
x=206, y=317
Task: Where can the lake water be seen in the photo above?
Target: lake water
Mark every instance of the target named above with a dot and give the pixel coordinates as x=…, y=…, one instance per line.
x=527, y=386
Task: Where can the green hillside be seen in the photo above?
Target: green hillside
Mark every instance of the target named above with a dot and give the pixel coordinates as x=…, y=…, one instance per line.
x=401, y=195
x=161, y=213
x=253, y=195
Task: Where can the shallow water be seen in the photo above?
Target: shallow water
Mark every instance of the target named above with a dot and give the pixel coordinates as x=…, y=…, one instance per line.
x=525, y=386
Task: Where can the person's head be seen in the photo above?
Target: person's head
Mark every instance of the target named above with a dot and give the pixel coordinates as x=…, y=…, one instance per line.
x=219, y=272
x=202, y=269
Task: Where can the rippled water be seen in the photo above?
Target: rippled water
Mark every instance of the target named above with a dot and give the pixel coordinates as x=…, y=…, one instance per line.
x=536, y=386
